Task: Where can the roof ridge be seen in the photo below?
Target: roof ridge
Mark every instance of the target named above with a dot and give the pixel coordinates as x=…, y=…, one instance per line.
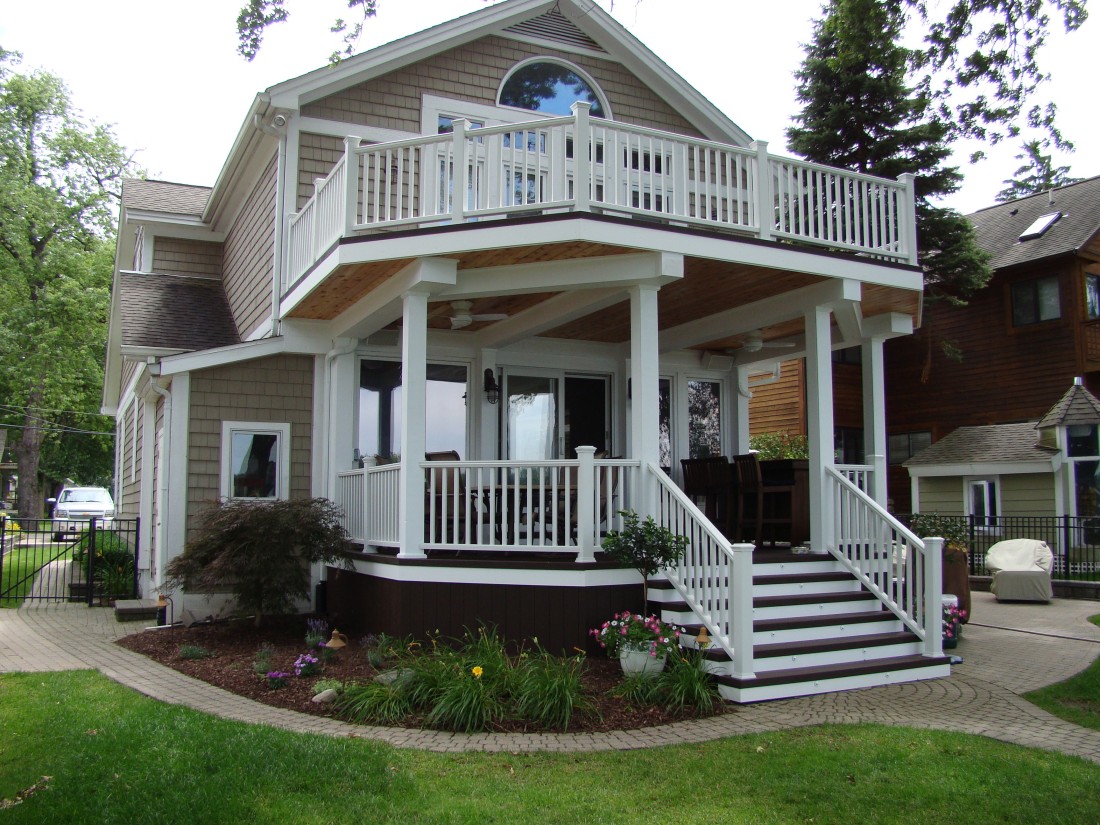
x=1044, y=193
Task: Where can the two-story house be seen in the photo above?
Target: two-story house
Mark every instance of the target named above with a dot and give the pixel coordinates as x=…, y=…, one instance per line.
x=479, y=286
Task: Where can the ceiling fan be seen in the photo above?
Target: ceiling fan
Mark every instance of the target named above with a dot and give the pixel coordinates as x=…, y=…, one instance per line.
x=462, y=317
x=753, y=341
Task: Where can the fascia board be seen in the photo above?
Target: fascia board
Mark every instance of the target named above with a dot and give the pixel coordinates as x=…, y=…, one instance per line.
x=176, y=220
x=143, y=354
x=246, y=135
x=219, y=356
x=321, y=82
x=982, y=468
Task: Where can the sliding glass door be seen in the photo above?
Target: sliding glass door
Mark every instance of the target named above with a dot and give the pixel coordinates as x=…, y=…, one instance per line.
x=549, y=413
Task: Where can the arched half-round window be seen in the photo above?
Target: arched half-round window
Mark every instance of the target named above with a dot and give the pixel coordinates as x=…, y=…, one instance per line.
x=550, y=87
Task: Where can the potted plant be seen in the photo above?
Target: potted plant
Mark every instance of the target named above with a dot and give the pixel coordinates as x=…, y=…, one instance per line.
x=645, y=546
x=953, y=617
x=642, y=643
x=956, y=566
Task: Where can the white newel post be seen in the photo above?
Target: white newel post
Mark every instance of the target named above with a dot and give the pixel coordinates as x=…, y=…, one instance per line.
x=933, y=592
x=741, y=611
x=819, y=400
x=582, y=159
x=874, y=416
x=351, y=185
x=765, y=197
x=644, y=381
x=459, y=173
x=908, y=212
x=586, y=510
x=414, y=352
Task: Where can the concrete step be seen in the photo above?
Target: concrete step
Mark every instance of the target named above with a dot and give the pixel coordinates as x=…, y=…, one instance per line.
x=135, y=610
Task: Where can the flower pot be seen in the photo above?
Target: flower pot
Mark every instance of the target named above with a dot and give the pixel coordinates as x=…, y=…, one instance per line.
x=639, y=661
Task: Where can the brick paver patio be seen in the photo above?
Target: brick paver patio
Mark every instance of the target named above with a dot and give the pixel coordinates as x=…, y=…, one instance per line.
x=1007, y=650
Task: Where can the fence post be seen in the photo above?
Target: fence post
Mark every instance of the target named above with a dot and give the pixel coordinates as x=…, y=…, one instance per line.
x=740, y=586
x=584, y=156
x=89, y=583
x=1067, y=537
x=3, y=547
x=137, y=555
x=765, y=197
x=933, y=603
x=351, y=186
x=459, y=173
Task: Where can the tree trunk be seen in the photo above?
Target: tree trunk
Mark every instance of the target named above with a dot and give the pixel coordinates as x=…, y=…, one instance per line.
x=27, y=454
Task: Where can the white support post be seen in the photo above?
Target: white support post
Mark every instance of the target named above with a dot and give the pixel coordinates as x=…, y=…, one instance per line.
x=414, y=353
x=459, y=170
x=584, y=155
x=644, y=381
x=933, y=592
x=486, y=446
x=741, y=611
x=351, y=185
x=909, y=215
x=874, y=415
x=819, y=400
x=744, y=395
x=765, y=197
x=586, y=510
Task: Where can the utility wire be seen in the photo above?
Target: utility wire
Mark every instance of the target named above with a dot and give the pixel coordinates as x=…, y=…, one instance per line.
x=72, y=430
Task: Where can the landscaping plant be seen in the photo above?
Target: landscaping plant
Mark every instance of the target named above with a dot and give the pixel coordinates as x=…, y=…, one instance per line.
x=633, y=631
x=645, y=546
x=261, y=551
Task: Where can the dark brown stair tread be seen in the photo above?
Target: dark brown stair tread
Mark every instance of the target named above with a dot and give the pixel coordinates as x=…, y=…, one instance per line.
x=841, y=643
x=796, y=578
x=823, y=620
x=834, y=671
x=813, y=598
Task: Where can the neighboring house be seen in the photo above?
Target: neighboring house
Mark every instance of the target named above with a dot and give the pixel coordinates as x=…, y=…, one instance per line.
x=518, y=243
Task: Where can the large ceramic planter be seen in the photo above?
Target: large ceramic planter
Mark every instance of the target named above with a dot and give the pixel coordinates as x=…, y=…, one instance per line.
x=639, y=661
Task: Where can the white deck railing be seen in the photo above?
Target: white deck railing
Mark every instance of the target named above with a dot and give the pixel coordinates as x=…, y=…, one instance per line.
x=903, y=571
x=713, y=577
x=584, y=164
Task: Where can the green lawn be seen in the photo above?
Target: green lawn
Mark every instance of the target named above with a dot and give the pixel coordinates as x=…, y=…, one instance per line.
x=21, y=562
x=115, y=756
x=1077, y=699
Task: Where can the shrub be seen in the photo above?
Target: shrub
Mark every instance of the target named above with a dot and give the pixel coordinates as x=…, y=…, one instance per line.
x=316, y=633
x=770, y=446
x=685, y=683
x=638, y=689
x=645, y=546
x=307, y=665
x=467, y=704
x=321, y=685
x=193, y=652
x=372, y=703
x=260, y=551
x=548, y=689
x=952, y=529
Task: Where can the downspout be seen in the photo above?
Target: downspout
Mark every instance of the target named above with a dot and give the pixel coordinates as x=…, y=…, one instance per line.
x=277, y=128
x=162, y=472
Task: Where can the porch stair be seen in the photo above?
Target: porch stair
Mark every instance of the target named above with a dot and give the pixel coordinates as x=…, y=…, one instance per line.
x=815, y=630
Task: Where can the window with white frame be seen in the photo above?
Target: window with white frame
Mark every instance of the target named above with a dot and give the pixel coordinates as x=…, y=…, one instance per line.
x=982, y=504
x=255, y=460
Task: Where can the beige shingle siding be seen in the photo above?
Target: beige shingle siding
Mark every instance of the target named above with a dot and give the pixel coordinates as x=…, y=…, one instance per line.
x=474, y=72
x=317, y=154
x=249, y=256
x=176, y=256
x=942, y=494
x=155, y=480
x=1028, y=494
x=129, y=503
x=274, y=390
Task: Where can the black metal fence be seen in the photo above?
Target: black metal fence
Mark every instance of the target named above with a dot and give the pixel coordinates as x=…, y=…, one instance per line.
x=1075, y=541
x=96, y=565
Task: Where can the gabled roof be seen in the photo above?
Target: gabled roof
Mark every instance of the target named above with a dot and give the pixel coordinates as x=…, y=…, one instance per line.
x=176, y=312
x=162, y=196
x=999, y=227
x=991, y=443
x=1077, y=406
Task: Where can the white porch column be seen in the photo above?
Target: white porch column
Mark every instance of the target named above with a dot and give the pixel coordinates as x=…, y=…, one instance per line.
x=414, y=355
x=819, y=401
x=488, y=414
x=874, y=415
x=743, y=396
x=644, y=381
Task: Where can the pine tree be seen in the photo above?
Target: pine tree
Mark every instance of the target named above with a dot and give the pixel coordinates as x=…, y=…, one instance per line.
x=1038, y=174
x=860, y=113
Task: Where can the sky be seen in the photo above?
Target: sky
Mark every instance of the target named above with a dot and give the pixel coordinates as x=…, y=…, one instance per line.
x=168, y=77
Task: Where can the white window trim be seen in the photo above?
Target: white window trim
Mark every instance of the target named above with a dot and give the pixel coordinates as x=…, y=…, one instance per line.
x=568, y=64
x=262, y=428
x=968, y=485
x=432, y=106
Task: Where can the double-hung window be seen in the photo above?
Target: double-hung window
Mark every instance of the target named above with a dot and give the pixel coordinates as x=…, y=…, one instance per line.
x=1036, y=300
x=982, y=504
x=255, y=460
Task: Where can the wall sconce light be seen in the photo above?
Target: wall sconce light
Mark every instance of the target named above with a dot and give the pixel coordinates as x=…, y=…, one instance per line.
x=492, y=389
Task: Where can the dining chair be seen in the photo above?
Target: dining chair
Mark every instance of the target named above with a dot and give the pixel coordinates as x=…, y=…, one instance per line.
x=761, y=510
x=711, y=483
x=445, y=507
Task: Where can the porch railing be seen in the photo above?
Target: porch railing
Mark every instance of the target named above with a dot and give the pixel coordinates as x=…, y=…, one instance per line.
x=584, y=164
x=903, y=571
x=713, y=577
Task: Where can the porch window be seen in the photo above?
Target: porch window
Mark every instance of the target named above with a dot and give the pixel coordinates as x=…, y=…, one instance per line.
x=380, y=405
x=704, y=419
x=551, y=87
x=664, y=419
x=983, y=502
x=255, y=460
x=1092, y=292
x=904, y=446
x=848, y=445
x=1035, y=301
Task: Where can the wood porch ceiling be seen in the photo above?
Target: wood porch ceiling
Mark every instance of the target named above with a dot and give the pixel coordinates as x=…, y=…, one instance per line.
x=707, y=287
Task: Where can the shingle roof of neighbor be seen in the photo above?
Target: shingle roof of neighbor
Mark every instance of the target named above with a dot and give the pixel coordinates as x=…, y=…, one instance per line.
x=162, y=196
x=999, y=227
x=174, y=312
x=1077, y=406
x=990, y=442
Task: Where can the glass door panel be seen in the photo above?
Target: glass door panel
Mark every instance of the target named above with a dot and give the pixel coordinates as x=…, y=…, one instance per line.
x=532, y=417
x=586, y=412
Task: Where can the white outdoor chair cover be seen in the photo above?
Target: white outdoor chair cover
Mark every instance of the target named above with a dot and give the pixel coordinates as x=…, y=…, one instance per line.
x=1021, y=570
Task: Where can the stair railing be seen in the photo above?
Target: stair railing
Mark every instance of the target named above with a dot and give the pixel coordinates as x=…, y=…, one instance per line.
x=904, y=572
x=714, y=577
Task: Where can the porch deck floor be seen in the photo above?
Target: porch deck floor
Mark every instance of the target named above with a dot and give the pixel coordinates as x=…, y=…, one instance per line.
x=1007, y=649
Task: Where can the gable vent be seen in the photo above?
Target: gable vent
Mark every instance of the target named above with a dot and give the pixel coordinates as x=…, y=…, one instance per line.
x=555, y=27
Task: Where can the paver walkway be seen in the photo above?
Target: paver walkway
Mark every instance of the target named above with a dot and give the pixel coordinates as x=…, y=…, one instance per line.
x=1007, y=650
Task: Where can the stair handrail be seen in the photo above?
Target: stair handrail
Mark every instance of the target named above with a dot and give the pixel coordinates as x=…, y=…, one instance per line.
x=903, y=572
x=713, y=577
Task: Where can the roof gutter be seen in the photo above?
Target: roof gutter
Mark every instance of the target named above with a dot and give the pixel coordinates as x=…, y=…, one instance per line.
x=237, y=156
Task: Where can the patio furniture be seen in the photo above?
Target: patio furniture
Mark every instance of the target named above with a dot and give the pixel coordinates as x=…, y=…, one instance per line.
x=1021, y=570
x=763, y=512
x=444, y=505
x=711, y=483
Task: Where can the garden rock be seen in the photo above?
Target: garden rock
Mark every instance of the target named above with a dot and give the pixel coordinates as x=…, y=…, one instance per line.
x=325, y=696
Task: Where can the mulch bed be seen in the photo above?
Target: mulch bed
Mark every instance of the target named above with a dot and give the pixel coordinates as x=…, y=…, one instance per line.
x=234, y=645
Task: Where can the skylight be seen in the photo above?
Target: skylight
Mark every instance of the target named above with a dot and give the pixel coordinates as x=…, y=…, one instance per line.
x=1040, y=225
